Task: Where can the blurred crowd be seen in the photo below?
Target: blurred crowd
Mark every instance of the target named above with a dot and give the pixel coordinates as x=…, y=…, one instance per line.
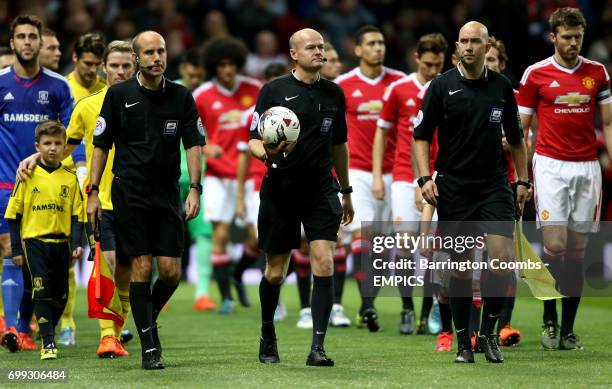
x=265, y=26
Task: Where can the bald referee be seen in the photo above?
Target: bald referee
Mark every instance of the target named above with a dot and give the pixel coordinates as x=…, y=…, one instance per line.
x=300, y=188
x=468, y=105
x=145, y=118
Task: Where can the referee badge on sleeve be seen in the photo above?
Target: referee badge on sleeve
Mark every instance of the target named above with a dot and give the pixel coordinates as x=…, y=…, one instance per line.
x=417, y=119
x=100, y=126
x=496, y=115
x=255, y=121
x=201, y=128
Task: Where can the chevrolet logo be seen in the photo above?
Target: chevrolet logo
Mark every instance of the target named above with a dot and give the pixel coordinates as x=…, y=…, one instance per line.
x=572, y=99
x=372, y=106
x=231, y=116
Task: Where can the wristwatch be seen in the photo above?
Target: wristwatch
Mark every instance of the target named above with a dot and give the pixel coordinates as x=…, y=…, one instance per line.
x=91, y=187
x=347, y=190
x=526, y=184
x=197, y=186
x=422, y=180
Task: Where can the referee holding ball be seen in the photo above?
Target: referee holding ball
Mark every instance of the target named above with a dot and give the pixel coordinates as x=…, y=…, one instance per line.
x=145, y=118
x=299, y=188
x=469, y=105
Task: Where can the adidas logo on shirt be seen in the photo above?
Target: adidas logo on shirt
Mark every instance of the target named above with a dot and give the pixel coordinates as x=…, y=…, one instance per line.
x=217, y=105
x=9, y=282
x=35, y=191
x=8, y=97
x=357, y=93
x=410, y=103
x=554, y=84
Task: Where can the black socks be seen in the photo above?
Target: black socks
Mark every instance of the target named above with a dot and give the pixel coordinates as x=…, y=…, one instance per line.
x=460, y=290
x=142, y=311
x=322, y=301
x=268, y=295
x=160, y=296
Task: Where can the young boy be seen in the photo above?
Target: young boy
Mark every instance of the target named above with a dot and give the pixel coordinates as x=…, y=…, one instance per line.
x=44, y=212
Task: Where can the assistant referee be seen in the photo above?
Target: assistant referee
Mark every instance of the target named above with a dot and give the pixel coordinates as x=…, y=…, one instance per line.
x=469, y=105
x=300, y=188
x=145, y=118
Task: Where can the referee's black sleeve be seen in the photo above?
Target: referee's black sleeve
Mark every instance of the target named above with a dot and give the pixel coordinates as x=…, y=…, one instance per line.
x=103, y=133
x=193, y=129
x=263, y=103
x=340, y=130
x=429, y=115
x=511, y=119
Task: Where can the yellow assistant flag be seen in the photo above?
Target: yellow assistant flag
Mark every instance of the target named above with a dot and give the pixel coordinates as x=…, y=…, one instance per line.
x=102, y=296
x=539, y=280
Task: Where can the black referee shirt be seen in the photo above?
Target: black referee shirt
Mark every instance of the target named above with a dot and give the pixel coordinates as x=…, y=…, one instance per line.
x=146, y=126
x=469, y=115
x=321, y=110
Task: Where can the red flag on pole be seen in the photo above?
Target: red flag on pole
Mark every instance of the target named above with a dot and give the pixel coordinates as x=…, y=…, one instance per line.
x=102, y=297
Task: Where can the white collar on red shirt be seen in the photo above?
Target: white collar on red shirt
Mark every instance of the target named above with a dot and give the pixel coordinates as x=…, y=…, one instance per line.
x=371, y=81
x=224, y=90
x=563, y=68
x=415, y=78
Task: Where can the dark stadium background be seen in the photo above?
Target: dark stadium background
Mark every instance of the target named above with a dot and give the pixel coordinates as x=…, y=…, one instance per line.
x=187, y=24
x=190, y=23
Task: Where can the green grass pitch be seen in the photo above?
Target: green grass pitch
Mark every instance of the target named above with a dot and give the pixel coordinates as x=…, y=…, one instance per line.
x=206, y=350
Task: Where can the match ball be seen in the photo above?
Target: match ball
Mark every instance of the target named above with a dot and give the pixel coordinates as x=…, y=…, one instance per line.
x=278, y=124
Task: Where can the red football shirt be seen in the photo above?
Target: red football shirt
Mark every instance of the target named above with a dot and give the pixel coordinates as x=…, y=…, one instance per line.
x=364, y=102
x=564, y=101
x=257, y=169
x=400, y=107
x=222, y=112
x=433, y=147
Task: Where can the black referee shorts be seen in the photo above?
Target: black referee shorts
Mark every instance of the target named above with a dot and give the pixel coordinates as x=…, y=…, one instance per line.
x=49, y=264
x=148, y=218
x=108, y=237
x=287, y=203
x=487, y=204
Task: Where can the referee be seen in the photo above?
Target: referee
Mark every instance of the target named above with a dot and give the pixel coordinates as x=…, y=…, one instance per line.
x=300, y=188
x=145, y=118
x=469, y=105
